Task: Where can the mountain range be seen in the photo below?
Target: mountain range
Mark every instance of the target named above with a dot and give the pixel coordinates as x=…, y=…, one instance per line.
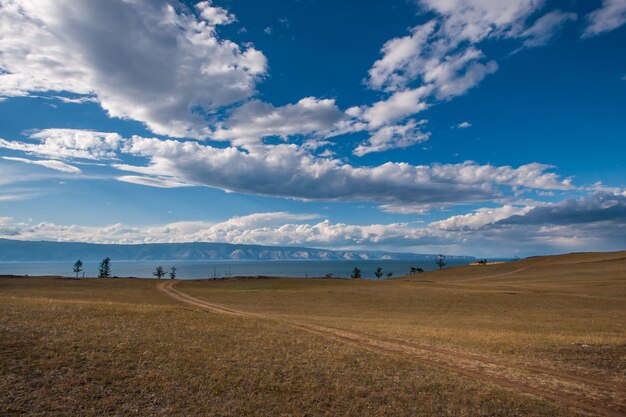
x=44, y=251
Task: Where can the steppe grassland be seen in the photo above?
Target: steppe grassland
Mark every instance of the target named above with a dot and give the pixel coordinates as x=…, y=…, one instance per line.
x=571, y=308
x=120, y=347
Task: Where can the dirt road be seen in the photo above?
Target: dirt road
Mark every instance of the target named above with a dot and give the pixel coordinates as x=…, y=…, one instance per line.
x=583, y=392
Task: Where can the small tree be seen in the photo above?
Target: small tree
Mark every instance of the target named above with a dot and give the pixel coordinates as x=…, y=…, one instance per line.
x=440, y=261
x=389, y=275
x=104, y=270
x=78, y=267
x=379, y=272
x=415, y=270
x=173, y=272
x=356, y=273
x=159, y=273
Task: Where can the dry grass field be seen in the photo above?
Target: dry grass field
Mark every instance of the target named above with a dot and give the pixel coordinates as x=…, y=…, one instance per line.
x=543, y=336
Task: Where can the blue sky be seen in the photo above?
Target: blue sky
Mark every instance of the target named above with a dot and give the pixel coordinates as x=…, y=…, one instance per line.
x=482, y=127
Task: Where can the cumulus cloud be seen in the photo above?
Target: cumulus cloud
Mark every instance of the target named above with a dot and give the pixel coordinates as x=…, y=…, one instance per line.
x=442, y=59
x=592, y=222
x=410, y=208
x=596, y=221
x=463, y=125
x=609, y=17
x=155, y=61
x=68, y=143
x=393, y=137
x=100, y=51
x=479, y=218
x=255, y=120
x=287, y=170
x=396, y=107
x=442, y=69
x=474, y=20
x=457, y=73
x=277, y=228
x=402, y=59
x=214, y=15
x=441, y=52
x=598, y=207
x=294, y=171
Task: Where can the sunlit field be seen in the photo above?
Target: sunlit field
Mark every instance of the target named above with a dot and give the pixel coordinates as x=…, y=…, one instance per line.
x=542, y=337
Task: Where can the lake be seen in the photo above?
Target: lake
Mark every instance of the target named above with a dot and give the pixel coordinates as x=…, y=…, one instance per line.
x=218, y=269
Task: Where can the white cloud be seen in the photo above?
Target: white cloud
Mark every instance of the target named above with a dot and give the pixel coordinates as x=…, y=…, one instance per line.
x=479, y=218
x=69, y=144
x=152, y=181
x=278, y=228
x=51, y=164
x=214, y=15
x=327, y=153
x=474, y=20
x=292, y=171
x=398, y=106
x=609, y=17
x=393, y=137
x=288, y=170
x=463, y=125
x=264, y=220
x=601, y=206
x=442, y=51
x=402, y=59
x=11, y=174
x=441, y=58
x=143, y=59
x=594, y=222
x=256, y=120
x=408, y=208
x=431, y=58
x=76, y=100
x=17, y=195
x=100, y=51
x=379, y=118
x=546, y=27
x=457, y=73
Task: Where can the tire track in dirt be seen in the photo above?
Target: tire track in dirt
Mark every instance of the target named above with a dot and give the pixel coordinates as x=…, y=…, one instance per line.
x=585, y=393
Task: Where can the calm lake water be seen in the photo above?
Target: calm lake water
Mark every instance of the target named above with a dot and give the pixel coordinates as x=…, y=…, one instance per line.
x=216, y=269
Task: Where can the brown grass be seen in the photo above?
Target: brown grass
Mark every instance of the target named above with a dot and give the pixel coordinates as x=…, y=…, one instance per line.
x=520, y=308
x=120, y=347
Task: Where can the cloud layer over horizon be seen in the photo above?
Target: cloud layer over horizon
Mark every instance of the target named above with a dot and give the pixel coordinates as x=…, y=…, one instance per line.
x=568, y=225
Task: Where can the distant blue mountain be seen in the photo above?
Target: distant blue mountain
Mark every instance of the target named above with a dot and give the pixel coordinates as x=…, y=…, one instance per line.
x=31, y=251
